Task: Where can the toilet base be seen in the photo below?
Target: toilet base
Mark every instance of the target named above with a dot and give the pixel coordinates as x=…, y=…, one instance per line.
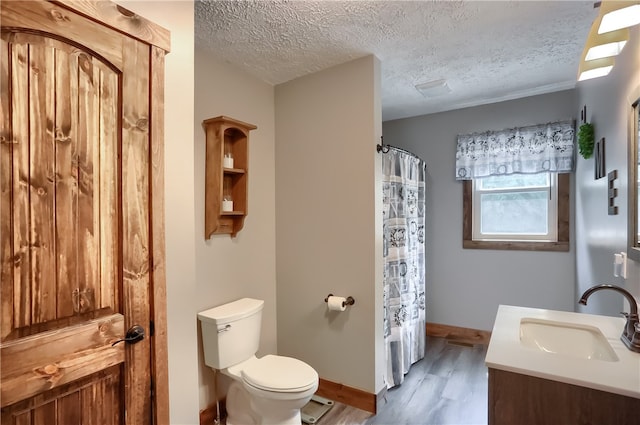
x=243, y=409
x=238, y=407
x=292, y=421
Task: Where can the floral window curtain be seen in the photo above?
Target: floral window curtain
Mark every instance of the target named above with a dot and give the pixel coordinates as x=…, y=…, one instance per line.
x=404, y=262
x=527, y=150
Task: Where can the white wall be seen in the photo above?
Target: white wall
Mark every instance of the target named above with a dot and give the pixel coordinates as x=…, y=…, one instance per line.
x=245, y=266
x=599, y=235
x=465, y=286
x=328, y=231
x=177, y=17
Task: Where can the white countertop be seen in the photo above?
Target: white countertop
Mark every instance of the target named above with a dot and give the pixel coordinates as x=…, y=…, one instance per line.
x=505, y=352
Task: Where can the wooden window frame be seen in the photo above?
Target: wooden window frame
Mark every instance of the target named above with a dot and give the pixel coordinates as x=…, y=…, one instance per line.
x=563, y=209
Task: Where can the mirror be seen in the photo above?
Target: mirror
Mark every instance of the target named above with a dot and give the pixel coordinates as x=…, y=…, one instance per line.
x=634, y=183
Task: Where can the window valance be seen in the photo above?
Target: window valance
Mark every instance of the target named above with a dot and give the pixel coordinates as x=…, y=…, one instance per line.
x=527, y=150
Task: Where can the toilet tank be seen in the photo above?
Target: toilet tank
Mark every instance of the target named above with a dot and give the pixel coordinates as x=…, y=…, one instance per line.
x=231, y=332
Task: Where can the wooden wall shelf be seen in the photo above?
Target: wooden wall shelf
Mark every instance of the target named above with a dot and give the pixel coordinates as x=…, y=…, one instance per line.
x=226, y=136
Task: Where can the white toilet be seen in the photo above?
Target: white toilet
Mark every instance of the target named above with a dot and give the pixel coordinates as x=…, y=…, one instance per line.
x=268, y=390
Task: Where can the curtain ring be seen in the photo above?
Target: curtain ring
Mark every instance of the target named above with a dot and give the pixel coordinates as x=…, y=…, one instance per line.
x=382, y=148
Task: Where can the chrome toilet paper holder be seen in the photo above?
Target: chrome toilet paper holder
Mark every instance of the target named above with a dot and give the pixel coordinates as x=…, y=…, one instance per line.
x=350, y=300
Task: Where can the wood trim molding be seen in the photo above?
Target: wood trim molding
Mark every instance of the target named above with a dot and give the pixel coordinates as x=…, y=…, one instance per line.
x=158, y=295
x=120, y=19
x=331, y=390
x=564, y=206
x=633, y=201
x=209, y=415
x=457, y=334
x=350, y=396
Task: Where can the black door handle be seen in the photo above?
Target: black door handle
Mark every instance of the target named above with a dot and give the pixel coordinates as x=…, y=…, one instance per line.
x=134, y=334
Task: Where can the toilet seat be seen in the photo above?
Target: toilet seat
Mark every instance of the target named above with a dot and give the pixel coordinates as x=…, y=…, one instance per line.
x=279, y=374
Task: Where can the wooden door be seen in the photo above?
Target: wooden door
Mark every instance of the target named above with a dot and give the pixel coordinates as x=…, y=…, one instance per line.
x=81, y=222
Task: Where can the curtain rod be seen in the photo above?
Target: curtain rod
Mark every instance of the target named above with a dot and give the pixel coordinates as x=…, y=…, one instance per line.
x=385, y=148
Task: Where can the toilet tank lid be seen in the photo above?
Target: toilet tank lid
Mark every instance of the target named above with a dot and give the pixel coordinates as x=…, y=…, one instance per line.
x=232, y=311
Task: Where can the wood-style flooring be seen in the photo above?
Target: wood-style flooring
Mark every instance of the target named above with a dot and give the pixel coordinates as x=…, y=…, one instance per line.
x=448, y=387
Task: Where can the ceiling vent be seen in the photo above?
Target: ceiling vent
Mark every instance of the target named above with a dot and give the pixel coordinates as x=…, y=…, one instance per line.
x=433, y=88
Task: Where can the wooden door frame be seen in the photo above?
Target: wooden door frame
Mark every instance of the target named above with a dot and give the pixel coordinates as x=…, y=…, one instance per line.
x=156, y=40
x=122, y=20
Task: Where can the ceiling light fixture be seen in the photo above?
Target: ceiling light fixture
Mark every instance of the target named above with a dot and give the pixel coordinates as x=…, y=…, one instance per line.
x=618, y=14
x=595, y=72
x=433, y=88
x=597, y=58
x=595, y=68
x=605, y=50
x=606, y=45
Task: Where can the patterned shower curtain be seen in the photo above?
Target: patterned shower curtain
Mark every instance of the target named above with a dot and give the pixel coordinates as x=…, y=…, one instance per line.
x=404, y=262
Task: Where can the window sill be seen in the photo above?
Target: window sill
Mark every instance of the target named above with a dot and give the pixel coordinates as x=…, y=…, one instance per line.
x=561, y=246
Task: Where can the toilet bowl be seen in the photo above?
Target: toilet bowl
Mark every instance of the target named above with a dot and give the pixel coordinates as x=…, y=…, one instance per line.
x=269, y=390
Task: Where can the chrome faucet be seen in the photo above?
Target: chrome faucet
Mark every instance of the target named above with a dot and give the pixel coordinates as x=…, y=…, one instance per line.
x=631, y=333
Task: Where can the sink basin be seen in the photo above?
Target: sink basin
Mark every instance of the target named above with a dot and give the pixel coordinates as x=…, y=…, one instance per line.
x=568, y=339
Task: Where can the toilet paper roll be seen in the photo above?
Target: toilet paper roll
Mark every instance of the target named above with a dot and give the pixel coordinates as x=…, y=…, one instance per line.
x=337, y=303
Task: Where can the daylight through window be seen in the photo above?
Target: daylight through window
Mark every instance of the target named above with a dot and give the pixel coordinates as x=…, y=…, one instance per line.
x=516, y=207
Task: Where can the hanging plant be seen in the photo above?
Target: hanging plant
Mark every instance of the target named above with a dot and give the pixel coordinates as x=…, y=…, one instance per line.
x=586, y=140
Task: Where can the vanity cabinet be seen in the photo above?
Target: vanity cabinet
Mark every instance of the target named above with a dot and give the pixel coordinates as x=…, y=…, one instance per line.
x=516, y=398
x=226, y=175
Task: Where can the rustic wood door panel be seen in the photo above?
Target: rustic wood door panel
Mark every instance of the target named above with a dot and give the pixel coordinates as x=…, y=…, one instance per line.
x=72, y=404
x=63, y=203
x=75, y=210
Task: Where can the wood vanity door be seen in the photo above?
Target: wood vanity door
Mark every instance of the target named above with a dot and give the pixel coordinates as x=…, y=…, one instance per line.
x=76, y=210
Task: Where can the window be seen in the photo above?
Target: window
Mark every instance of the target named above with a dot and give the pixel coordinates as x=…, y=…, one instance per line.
x=518, y=211
x=518, y=207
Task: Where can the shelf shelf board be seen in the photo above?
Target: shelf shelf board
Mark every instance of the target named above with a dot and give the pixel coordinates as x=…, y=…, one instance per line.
x=223, y=213
x=234, y=170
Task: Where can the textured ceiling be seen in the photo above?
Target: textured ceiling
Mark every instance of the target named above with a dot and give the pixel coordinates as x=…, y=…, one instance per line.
x=487, y=51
